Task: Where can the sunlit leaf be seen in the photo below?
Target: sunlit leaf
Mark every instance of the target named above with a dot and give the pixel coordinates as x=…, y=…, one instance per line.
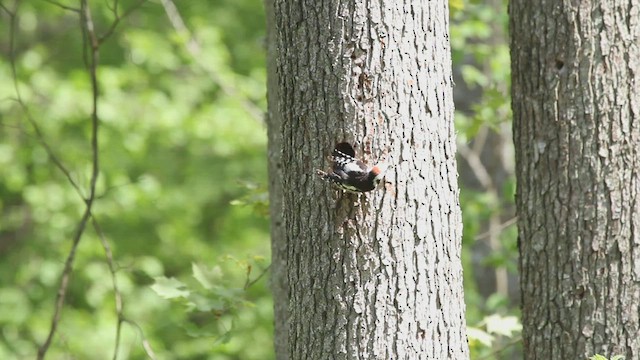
x=502, y=325
x=169, y=288
x=207, y=277
x=479, y=335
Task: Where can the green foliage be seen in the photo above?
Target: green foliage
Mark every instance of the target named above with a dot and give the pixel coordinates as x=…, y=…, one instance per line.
x=212, y=297
x=177, y=147
x=494, y=331
x=481, y=55
x=480, y=51
x=181, y=194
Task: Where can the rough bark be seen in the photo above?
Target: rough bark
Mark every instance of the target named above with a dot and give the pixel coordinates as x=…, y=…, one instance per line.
x=373, y=276
x=576, y=105
x=278, y=239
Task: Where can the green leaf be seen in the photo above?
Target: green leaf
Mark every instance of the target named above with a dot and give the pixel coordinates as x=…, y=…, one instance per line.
x=502, y=325
x=169, y=288
x=479, y=335
x=206, y=277
x=224, y=339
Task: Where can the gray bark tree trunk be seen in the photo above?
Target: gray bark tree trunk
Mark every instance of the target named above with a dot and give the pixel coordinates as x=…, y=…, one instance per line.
x=378, y=275
x=576, y=105
x=278, y=238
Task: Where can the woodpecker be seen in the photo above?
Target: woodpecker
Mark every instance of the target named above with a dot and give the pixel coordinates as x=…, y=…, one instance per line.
x=349, y=173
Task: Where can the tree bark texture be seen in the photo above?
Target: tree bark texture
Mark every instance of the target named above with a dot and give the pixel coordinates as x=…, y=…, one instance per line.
x=377, y=275
x=278, y=280
x=576, y=105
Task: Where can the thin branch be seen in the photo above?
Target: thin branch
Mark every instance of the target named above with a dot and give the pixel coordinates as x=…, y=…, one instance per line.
x=481, y=173
x=492, y=354
x=6, y=9
x=64, y=283
x=113, y=8
x=14, y=72
x=91, y=61
x=116, y=291
x=118, y=18
x=480, y=139
x=195, y=50
x=40, y=138
x=93, y=73
x=479, y=170
x=249, y=284
x=68, y=267
x=63, y=6
x=145, y=342
x=112, y=188
x=58, y=163
x=501, y=227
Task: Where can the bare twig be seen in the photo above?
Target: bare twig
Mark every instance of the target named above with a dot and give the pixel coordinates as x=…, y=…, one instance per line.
x=40, y=137
x=87, y=25
x=91, y=43
x=66, y=7
x=481, y=173
x=194, y=49
x=474, y=162
x=492, y=354
x=6, y=9
x=64, y=283
x=116, y=291
x=249, y=284
x=118, y=18
x=145, y=343
x=501, y=227
x=113, y=8
x=14, y=72
x=118, y=297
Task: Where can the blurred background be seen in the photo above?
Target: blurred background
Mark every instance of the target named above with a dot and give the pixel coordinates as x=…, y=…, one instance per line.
x=182, y=227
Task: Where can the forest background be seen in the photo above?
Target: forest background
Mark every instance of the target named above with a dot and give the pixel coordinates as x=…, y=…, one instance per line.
x=176, y=263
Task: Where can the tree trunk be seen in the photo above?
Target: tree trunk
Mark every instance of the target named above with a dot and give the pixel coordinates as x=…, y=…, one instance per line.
x=278, y=238
x=576, y=105
x=377, y=275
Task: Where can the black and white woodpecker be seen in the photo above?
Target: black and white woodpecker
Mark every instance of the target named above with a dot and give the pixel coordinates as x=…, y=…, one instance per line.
x=351, y=174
